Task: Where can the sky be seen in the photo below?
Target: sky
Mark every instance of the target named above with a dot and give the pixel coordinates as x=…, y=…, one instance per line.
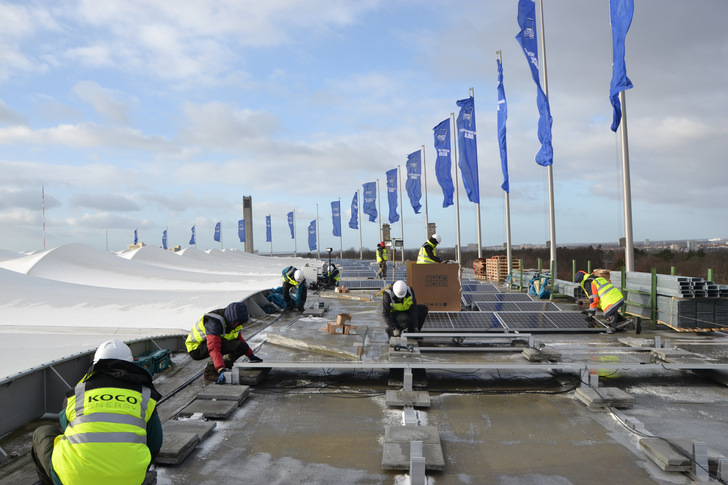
x=123, y=115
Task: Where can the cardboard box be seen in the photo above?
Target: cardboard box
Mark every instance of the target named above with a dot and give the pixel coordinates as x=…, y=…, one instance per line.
x=342, y=289
x=333, y=328
x=436, y=285
x=350, y=330
x=343, y=318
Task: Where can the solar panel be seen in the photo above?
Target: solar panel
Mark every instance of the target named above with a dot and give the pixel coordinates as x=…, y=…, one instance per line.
x=469, y=298
x=480, y=321
x=503, y=306
x=527, y=321
x=437, y=321
x=569, y=320
x=549, y=321
x=363, y=284
x=482, y=288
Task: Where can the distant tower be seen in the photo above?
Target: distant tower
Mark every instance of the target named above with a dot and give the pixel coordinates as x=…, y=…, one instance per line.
x=248, y=217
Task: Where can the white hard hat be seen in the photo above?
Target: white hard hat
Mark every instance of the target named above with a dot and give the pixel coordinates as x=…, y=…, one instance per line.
x=400, y=289
x=298, y=275
x=437, y=238
x=113, y=349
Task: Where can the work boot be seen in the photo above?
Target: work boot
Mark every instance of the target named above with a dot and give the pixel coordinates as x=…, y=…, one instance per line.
x=254, y=359
x=211, y=373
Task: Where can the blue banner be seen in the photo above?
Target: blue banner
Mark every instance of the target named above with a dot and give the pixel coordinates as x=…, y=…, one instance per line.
x=336, y=217
x=467, y=144
x=443, y=163
x=527, y=39
x=267, y=229
x=217, y=232
x=502, y=117
x=312, y=236
x=370, y=200
x=620, y=16
x=354, y=221
x=192, y=239
x=135, y=237
x=291, y=225
x=392, y=195
x=414, y=180
x=164, y=239
x=241, y=230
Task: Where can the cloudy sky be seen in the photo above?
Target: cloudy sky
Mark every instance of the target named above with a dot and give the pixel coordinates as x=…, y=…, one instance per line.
x=151, y=115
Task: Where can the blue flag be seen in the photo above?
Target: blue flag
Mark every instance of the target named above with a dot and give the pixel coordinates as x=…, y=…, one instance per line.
x=354, y=221
x=468, y=146
x=312, y=236
x=392, y=195
x=414, y=180
x=336, y=217
x=370, y=200
x=192, y=239
x=267, y=229
x=443, y=163
x=527, y=39
x=217, y=232
x=502, y=117
x=164, y=239
x=135, y=237
x=241, y=230
x=620, y=15
x=290, y=225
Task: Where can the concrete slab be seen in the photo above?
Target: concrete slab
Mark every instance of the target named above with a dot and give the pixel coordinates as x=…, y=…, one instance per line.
x=225, y=393
x=676, y=455
x=396, y=450
x=418, y=399
x=210, y=409
x=176, y=447
x=150, y=478
x=203, y=429
x=642, y=343
x=534, y=355
x=396, y=378
x=604, y=396
x=251, y=377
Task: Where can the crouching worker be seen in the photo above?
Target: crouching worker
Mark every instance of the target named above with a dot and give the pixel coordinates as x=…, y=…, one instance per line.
x=293, y=279
x=110, y=427
x=602, y=296
x=217, y=335
x=401, y=311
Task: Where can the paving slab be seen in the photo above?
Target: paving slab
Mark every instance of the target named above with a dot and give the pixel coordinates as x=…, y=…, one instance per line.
x=202, y=428
x=251, y=377
x=535, y=355
x=669, y=457
x=642, y=343
x=210, y=409
x=418, y=399
x=225, y=393
x=176, y=447
x=604, y=396
x=396, y=449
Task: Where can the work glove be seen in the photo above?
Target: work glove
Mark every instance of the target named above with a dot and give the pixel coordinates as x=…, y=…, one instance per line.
x=592, y=312
x=221, y=378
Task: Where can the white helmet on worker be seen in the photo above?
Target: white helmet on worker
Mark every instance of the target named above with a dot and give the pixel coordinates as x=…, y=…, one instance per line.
x=436, y=238
x=400, y=289
x=113, y=349
x=298, y=275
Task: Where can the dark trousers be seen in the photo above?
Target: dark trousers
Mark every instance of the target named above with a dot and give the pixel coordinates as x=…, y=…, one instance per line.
x=403, y=321
x=612, y=312
x=231, y=350
x=43, y=438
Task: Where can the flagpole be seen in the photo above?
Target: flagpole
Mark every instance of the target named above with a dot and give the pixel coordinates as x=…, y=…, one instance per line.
x=549, y=169
x=626, y=188
x=341, y=234
x=358, y=212
x=457, y=192
x=295, y=236
x=318, y=241
x=424, y=178
x=509, y=254
x=42, y=196
x=401, y=210
x=379, y=200
x=477, y=206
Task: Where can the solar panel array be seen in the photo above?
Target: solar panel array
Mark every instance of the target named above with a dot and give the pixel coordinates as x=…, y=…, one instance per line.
x=559, y=321
x=504, y=306
x=469, y=298
x=480, y=288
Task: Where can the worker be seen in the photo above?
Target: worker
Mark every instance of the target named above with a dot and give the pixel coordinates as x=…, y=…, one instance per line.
x=110, y=427
x=427, y=251
x=217, y=335
x=293, y=278
x=333, y=275
x=382, y=260
x=603, y=296
x=401, y=311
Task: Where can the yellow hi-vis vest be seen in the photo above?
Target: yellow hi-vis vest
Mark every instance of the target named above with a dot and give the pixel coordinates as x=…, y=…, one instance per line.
x=106, y=438
x=198, y=334
x=402, y=306
x=288, y=277
x=422, y=257
x=381, y=255
x=607, y=293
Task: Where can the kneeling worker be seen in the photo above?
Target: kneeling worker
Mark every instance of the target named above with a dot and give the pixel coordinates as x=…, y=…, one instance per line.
x=603, y=296
x=217, y=335
x=294, y=278
x=103, y=441
x=401, y=311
